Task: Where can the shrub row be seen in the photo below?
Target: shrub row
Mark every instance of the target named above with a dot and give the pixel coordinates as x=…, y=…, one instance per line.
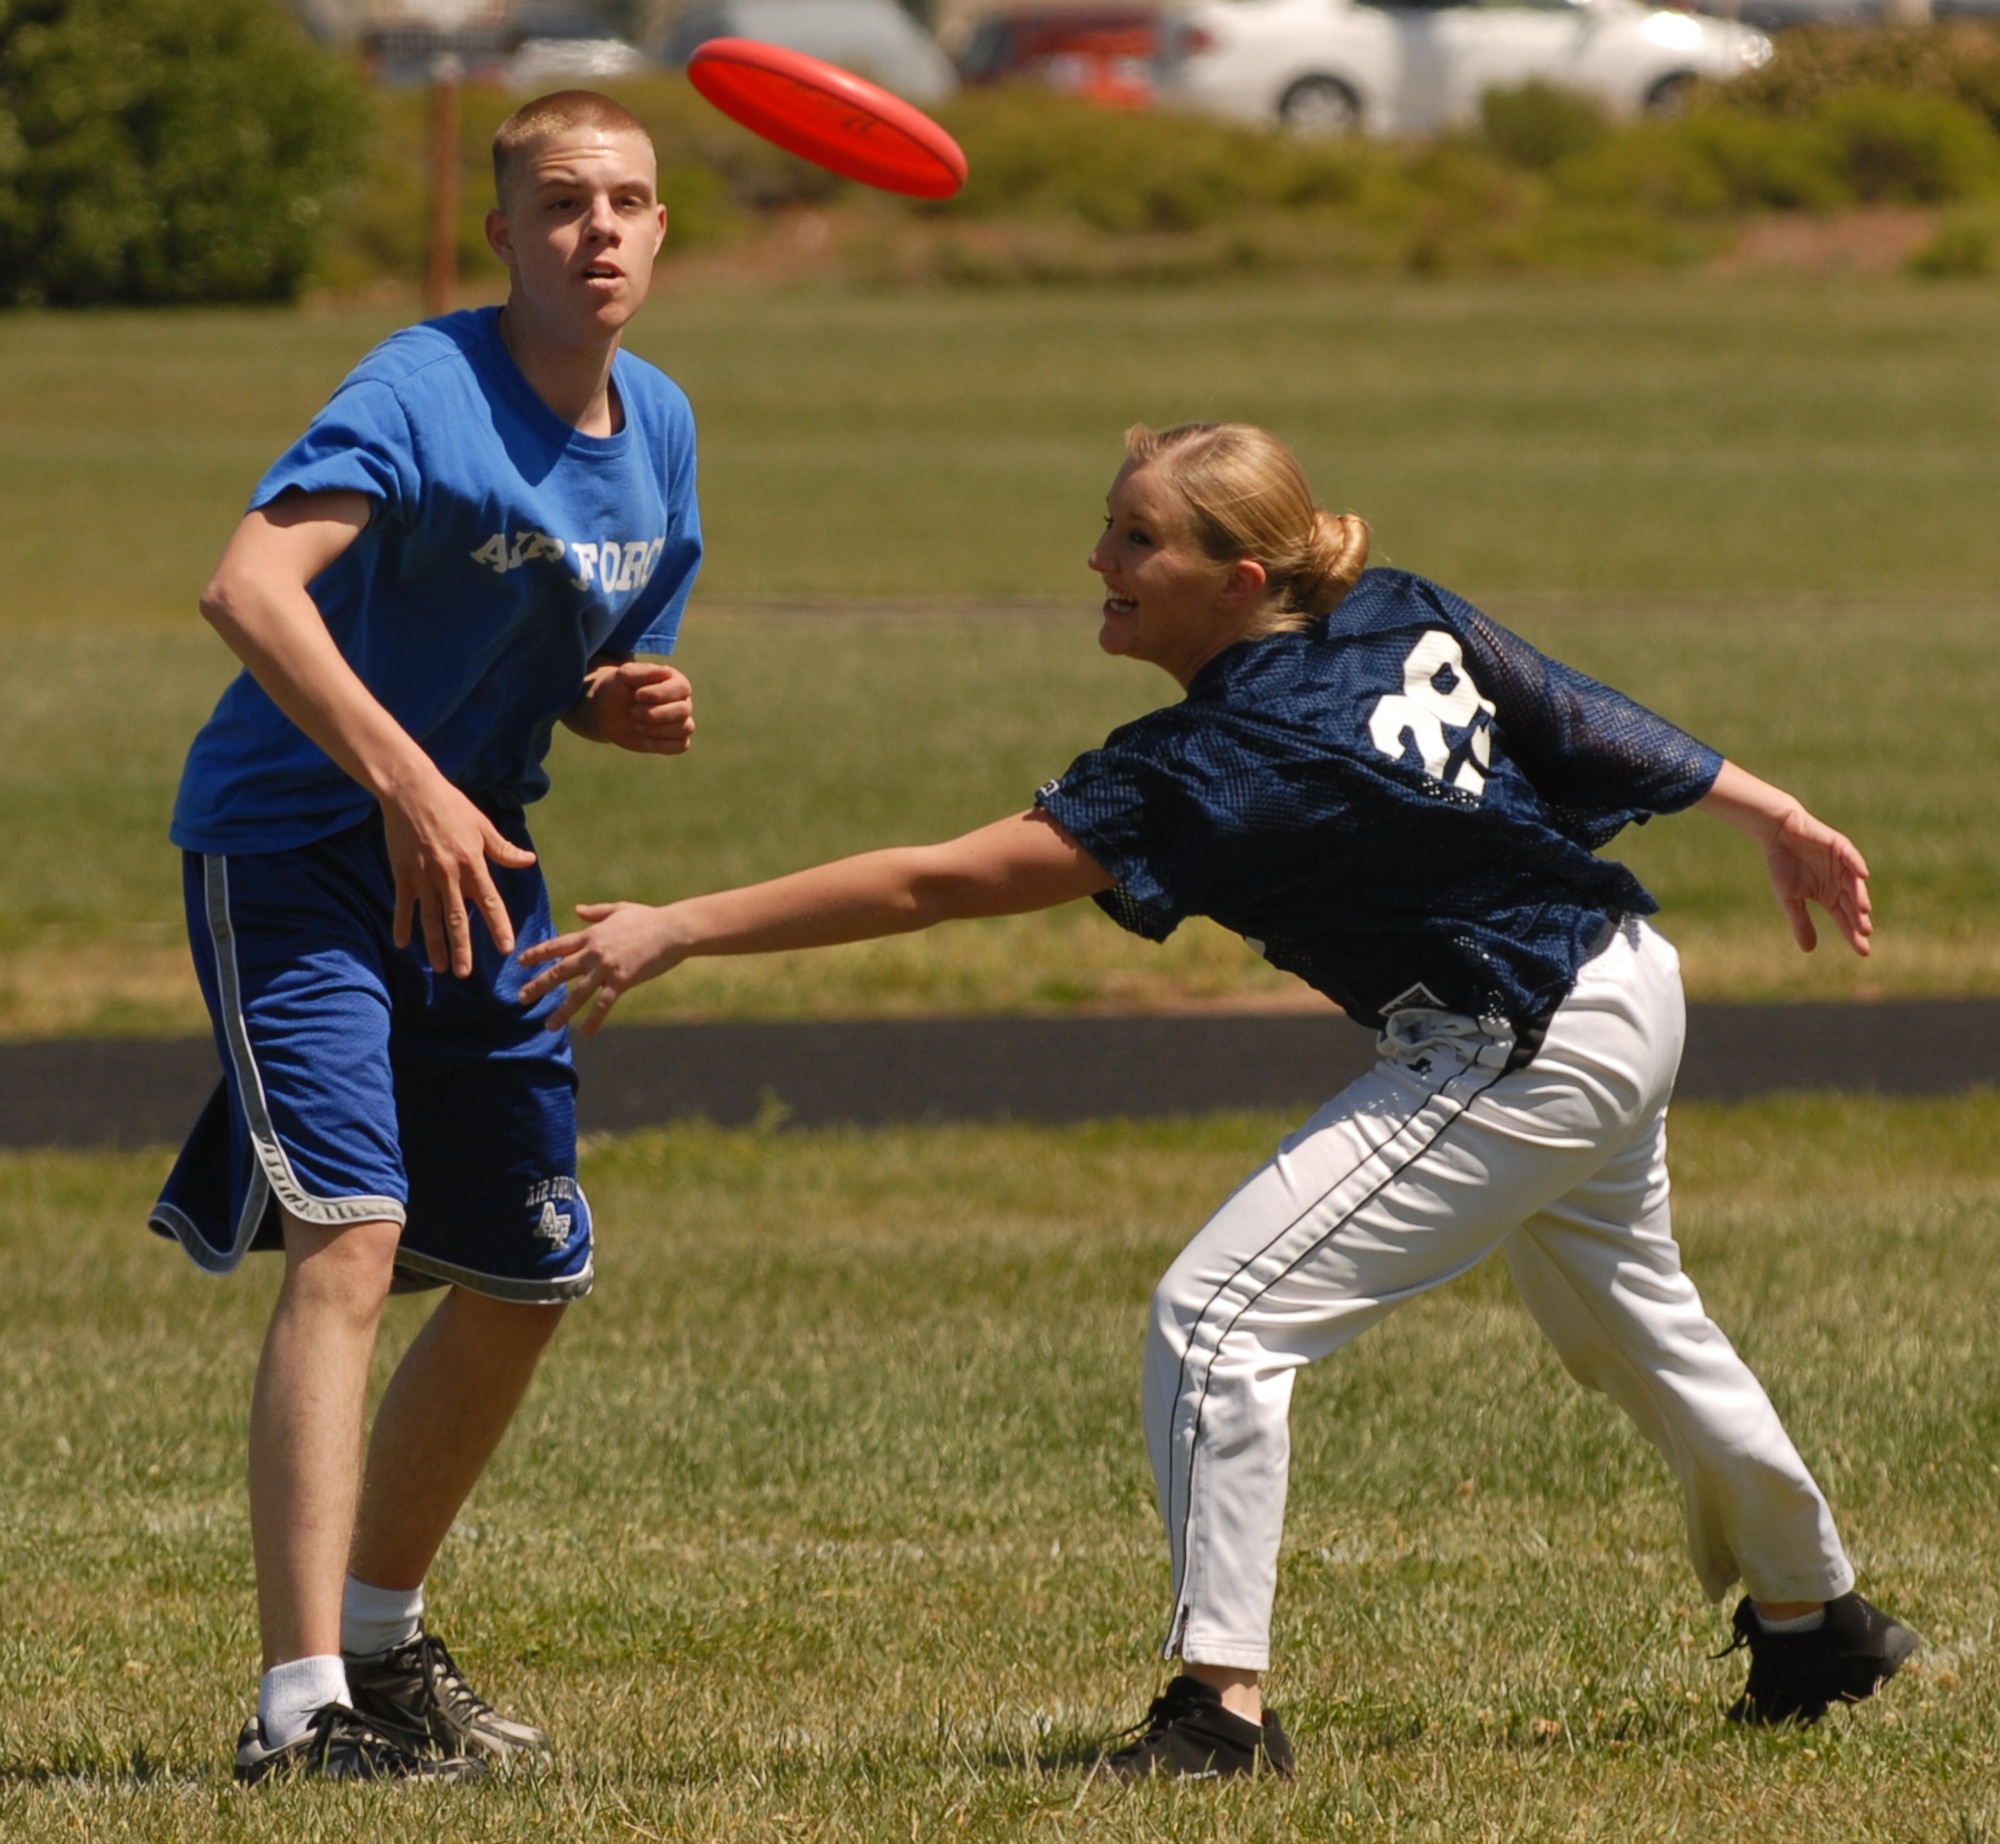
x=165, y=150
x=180, y=150
x=1036, y=156
x=1061, y=189
x=1853, y=147
x=1956, y=60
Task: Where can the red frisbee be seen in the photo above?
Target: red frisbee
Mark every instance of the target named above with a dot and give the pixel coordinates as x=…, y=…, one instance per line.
x=829, y=116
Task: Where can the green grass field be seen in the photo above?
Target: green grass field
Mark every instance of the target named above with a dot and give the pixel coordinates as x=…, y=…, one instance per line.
x=1676, y=437
x=830, y=1519
x=1765, y=507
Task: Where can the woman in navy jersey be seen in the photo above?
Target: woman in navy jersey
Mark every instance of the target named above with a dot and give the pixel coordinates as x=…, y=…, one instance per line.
x=1401, y=802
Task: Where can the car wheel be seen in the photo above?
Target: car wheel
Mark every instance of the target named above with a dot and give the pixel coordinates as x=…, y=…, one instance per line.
x=1320, y=105
x=1669, y=97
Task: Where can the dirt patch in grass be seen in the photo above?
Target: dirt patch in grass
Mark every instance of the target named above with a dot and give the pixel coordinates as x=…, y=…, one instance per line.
x=1878, y=241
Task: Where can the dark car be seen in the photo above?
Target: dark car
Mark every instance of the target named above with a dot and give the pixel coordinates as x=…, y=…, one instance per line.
x=1780, y=15
x=1102, y=53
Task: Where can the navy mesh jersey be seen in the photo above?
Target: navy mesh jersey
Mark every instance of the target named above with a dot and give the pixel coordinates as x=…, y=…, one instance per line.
x=1401, y=805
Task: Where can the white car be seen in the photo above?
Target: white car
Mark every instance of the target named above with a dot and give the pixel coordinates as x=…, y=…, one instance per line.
x=1332, y=65
x=565, y=44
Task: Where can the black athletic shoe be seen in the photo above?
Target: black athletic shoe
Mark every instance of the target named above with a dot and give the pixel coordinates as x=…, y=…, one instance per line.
x=1794, y=1677
x=1188, y=1735
x=341, y=1745
x=417, y=1694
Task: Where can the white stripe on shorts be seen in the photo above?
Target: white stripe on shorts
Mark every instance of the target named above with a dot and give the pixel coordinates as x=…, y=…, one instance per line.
x=274, y=1174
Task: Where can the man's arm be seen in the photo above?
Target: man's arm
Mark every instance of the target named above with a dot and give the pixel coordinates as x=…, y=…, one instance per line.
x=1807, y=859
x=439, y=842
x=1026, y=862
x=643, y=705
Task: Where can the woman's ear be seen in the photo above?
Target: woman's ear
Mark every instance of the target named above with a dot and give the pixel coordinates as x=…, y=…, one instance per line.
x=1246, y=582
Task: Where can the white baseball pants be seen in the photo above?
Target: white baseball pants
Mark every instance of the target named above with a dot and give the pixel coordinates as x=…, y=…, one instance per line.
x=1408, y=1178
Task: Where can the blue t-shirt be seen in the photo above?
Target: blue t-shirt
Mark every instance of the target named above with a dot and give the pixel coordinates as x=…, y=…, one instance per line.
x=1401, y=805
x=505, y=549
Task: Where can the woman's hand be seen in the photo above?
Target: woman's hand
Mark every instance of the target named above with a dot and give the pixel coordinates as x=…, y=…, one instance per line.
x=624, y=944
x=1015, y=865
x=1810, y=862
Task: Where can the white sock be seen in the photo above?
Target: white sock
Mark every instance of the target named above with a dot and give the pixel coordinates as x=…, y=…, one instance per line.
x=1801, y=1623
x=375, y=1620
x=292, y=1694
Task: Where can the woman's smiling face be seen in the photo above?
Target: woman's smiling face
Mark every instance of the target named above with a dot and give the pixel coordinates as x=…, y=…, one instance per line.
x=1166, y=601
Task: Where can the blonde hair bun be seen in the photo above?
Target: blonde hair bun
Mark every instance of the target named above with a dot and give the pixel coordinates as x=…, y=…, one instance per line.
x=1249, y=497
x=1337, y=556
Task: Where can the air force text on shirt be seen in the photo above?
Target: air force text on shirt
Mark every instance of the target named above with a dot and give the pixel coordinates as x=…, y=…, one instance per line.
x=613, y=564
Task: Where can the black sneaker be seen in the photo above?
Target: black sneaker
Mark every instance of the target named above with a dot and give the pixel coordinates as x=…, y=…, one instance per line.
x=341, y=1745
x=417, y=1694
x=1794, y=1677
x=1188, y=1735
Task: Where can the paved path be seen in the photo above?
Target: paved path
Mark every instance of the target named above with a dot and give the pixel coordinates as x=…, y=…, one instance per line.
x=137, y=1092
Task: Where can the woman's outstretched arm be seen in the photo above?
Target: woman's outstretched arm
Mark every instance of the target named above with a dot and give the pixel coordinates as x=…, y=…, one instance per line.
x=1026, y=862
x=1807, y=859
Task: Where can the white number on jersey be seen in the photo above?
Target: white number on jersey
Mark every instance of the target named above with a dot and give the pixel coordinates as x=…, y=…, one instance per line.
x=1423, y=709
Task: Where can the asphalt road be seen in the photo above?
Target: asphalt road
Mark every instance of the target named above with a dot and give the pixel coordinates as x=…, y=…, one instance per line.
x=136, y=1092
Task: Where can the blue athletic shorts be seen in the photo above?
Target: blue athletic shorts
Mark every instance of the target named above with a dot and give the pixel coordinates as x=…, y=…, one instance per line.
x=360, y=1086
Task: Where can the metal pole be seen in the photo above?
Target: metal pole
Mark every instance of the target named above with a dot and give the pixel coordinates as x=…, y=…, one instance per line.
x=441, y=275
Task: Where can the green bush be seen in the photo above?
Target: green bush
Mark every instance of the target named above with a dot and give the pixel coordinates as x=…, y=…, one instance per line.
x=1035, y=154
x=165, y=150
x=1966, y=247
x=1536, y=125
x=1894, y=148
x=1766, y=165
x=1862, y=146
x=1956, y=60
x=1710, y=163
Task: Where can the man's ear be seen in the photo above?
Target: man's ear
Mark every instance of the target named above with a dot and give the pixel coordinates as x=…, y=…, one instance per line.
x=500, y=235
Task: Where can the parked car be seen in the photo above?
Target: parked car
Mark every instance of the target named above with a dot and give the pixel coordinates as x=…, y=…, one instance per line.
x=1329, y=65
x=1781, y=15
x=873, y=38
x=1102, y=53
x=567, y=45
x=540, y=45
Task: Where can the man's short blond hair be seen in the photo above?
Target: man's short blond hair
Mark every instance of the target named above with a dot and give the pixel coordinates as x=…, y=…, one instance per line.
x=546, y=116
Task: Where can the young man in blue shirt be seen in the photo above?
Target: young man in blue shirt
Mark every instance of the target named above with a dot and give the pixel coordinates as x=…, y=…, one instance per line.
x=494, y=514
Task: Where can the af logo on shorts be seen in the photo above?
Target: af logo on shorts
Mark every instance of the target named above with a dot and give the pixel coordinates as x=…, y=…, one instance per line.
x=554, y=1226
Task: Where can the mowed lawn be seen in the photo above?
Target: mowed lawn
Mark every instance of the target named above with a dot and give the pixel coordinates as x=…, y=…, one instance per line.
x=1669, y=437
x=1766, y=508
x=829, y=1518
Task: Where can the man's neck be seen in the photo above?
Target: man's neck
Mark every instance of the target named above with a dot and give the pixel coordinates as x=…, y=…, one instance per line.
x=573, y=380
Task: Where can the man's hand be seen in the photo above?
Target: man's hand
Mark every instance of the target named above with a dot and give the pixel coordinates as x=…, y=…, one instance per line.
x=439, y=844
x=260, y=601
x=624, y=944
x=642, y=705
